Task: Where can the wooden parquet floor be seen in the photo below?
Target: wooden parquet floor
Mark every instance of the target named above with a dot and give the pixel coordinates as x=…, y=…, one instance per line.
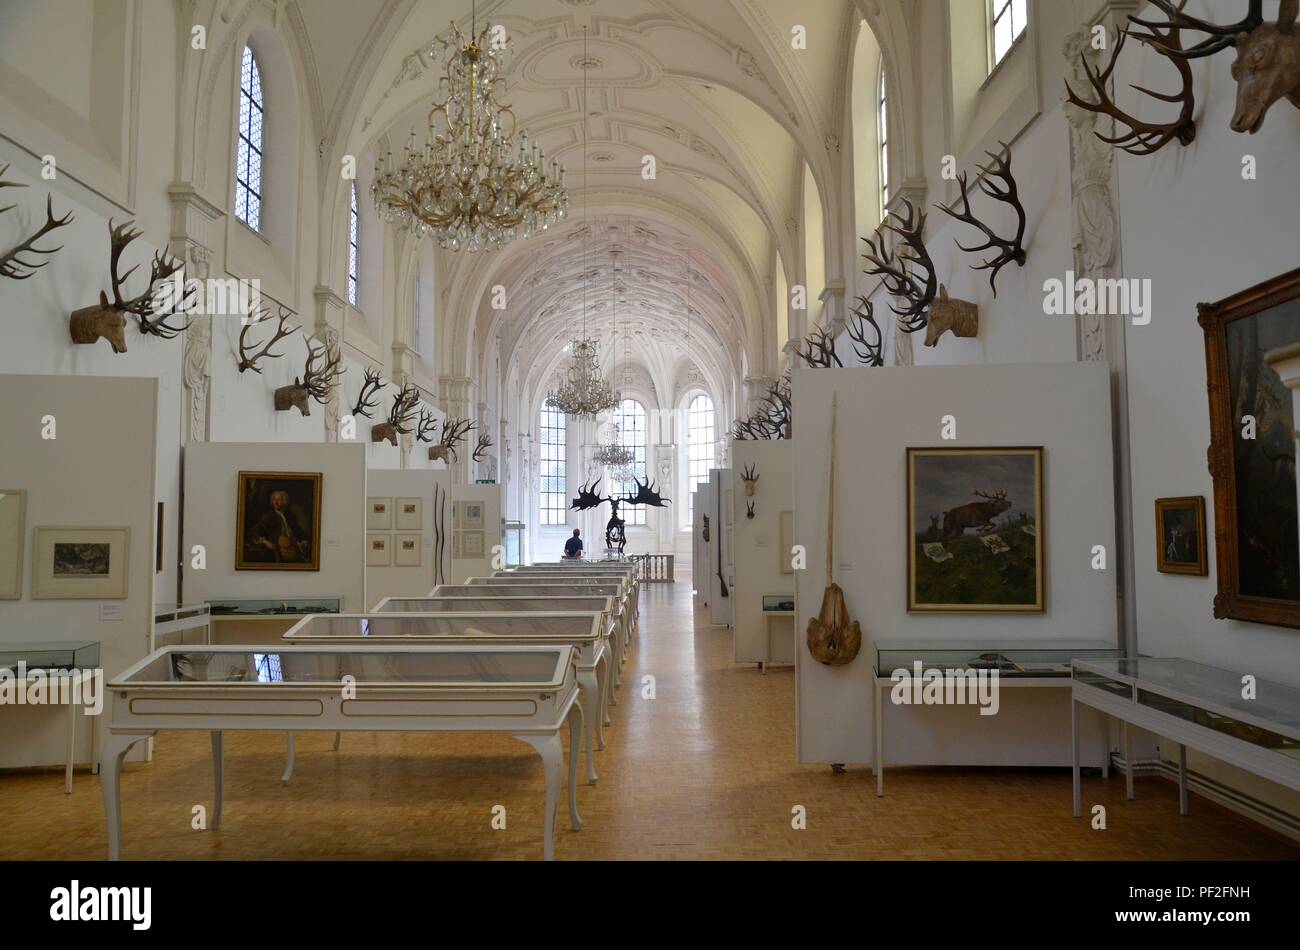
x=705, y=770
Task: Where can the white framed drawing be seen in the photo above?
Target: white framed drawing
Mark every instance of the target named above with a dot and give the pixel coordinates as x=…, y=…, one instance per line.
x=13, y=508
x=471, y=515
x=379, y=514
x=472, y=544
x=80, y=563
x=406, y=550
x=409, y=514
x=379, y=550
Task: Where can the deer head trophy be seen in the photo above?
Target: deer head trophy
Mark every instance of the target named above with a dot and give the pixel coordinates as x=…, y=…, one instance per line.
x=107, y=320
x=249, y=358
x=12, y=263
x=947, y=313
x=454, y=432
x=400, y=417
x=317, y=381
x=750, y=478
x=1267, y=67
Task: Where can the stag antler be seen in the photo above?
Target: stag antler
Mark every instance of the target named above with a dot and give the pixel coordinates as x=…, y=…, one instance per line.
x=484, y=443
x=142, y=307
x=402, y=414
x=249, y=360
x=1142, y=138
x=996, y=496
x=454, y=433
x=818, y=350
x=898, y=272
x=1221, y=36
x=1009, y=249
x=427, y=425
x=11, y=262
x=370, y=387
x=860, y=318
x=318, y=381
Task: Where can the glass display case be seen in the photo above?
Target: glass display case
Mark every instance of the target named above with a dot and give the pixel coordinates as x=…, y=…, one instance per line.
x=175, y=624
x=784, y=603
x=570, y=627
x=1204, y=695
x=503, y=604
x=275, y=607
x=1011, y=658
x=50, y=655
x=515, y=536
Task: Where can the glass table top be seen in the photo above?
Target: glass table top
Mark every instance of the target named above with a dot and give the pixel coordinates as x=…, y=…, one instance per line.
x=567, y=626
x=492, y=604
x=534, y=588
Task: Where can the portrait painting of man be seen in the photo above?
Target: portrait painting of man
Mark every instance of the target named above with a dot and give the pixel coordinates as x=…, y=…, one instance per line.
x=279, y=522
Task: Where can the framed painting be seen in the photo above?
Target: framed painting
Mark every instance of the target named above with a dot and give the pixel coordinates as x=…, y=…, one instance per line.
x=1252, y=365
x=471, y=514
x=409, y=514
x=277, y=527
x=472, y=544
x=379, y=514
x=975, y=529
x=379, y=550
x=406, y=550
x=80, y=563
x=1180, y=535
x=13, y=509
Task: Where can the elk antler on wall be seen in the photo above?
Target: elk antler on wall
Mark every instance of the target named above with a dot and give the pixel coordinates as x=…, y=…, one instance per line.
x=871, y=352
x=249, y=360
x=454, y=432
x=771, y=418
x=12, y=263
x=108, y=320
x=369, y=387
x=317, y=381
x=400, y=417
x=909, y=275
x=484, y=443
x=818, y=350
x=1008, y=249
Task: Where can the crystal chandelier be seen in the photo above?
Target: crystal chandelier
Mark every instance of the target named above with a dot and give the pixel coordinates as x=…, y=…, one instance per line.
x=583, y=392
x=615, y=454
x=470, y=185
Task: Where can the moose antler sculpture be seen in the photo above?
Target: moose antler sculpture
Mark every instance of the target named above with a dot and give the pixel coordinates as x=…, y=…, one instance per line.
x=107, y=320
x=1008, y=249
x=369, y=387
x=248, y=359
x=12, y=263
x=1267, y=67
x=454, y=432
x=317, y=381
x=615, y=535
x=400, y=417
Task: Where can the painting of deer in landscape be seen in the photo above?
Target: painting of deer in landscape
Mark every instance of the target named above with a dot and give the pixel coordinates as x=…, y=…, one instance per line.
x=976, y=527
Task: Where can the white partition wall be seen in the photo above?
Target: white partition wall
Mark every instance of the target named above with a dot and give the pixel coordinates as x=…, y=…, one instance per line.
x=95, y=471
x=1064, y=407
x=425, y=490
x=464, y=563
x=211, y=505
x=719, y=567
x=761, y=566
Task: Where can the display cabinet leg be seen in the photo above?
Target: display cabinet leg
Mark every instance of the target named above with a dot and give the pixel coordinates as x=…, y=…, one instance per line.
x=601, y=714
x=1074, y=758
x=110, y=785
x=290, y=758
x=1182, y=779
x=576, y=719
x=879, y=724
x=551, y=749
x=218, y=768
x=338, y=740
x=1128, y=762
x=590, y=700
x=72, y=748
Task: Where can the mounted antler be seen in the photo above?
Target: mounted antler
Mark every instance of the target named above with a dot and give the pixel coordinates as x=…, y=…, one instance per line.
x=1267, y=67
x=400, y=416
x=1009, y=249
x=454, y=432
x=108, y=320
x=484, y=443
x=12, y=263
x=1142, y=138
x=818, y=350
x=899, y=273
x=749, y=476
x=249, y=360
x=872, y=353
x=317, y=381
x=427, y=425
x=370, y=387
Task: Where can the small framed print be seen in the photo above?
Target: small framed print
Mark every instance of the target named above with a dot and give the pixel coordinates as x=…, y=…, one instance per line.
x=406, y=550
x=379, y=514
x=409, y=514
x=471, y=515
x=379, y=550
x=13, y=508
x=1180, y=535
x=471, y=544
x=80, y=563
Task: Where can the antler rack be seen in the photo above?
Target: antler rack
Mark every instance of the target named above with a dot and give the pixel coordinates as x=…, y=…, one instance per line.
x=12, y=263
x=1220, y=35
x=899, y=272
x=370, y=387
x=249, y=360
x=771, y=418
x=318, y=380
x=1008, y=249
x=818, y=350
x=426, y=427
x=870, y=352
x=402, y=413
x=484, y=443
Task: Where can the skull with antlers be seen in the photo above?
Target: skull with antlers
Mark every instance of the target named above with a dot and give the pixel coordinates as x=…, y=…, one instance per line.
x=615, y=536
x=750, y=477
x=317, y=381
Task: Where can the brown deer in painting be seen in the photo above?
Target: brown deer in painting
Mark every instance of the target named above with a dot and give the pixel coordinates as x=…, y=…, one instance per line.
x=977, y=514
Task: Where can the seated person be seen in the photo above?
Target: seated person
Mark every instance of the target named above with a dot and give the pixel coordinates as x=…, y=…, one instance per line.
x=573, y=546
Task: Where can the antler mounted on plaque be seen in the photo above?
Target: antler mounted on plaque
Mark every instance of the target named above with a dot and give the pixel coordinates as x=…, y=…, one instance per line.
x=400, y=416
x=249, y=359
x=750, y=477
x=818, y=350
x=484, y=443
x=1008, y=249
x=862, y=326
x=317, y=381
x=454, y=432
x=12, y=262
x=107, y=320
x=908, y=275
x=369, y=387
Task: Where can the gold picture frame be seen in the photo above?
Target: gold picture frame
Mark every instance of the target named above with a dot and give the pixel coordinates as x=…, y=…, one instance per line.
x=295, y=523
x=1180, y=536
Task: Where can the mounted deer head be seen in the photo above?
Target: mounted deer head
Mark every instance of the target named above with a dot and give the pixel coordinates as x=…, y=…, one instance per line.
x=12, y=263
x=1008, y=249
x=248, y=359
x=454, y=432
x=400, y=417
x=750, y=478
x=948, y=313
x=749, y=509
x=1267, y=67
x=108, y=320
x=317, y=381
x=370, y=387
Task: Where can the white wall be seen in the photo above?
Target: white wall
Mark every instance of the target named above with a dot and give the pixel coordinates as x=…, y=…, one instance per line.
x=97, y=472
x=491, y=497
x=1064, y=407
x=211, y=497
x=758, y=554
x=394, y=581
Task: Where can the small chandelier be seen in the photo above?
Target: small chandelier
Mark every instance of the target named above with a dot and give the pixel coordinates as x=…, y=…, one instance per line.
x=470, y=185
x=583, y=392
x=614, y=454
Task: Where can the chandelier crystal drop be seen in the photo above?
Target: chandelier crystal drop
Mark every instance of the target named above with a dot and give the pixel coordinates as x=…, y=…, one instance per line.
x=470, y=185
x=583, y=391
